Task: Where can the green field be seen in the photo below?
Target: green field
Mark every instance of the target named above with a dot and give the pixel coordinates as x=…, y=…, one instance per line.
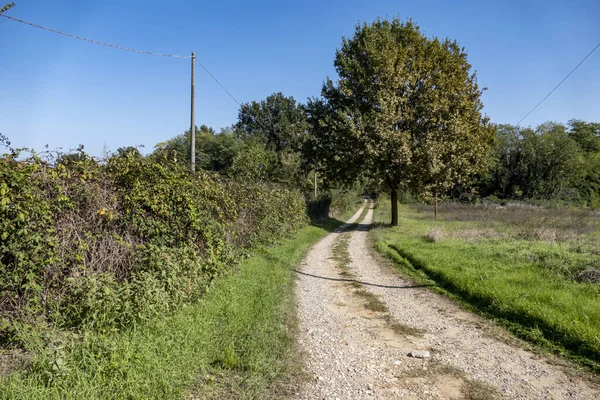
x=530, y=268
x=237, y=342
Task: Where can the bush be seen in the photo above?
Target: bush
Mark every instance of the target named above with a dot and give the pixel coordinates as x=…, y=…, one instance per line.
x=87, y=245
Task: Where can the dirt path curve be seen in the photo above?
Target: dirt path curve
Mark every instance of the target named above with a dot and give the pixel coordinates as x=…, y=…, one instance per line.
x=357, y=348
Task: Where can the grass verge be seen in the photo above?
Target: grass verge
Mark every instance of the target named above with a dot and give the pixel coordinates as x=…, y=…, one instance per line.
x=237, y=342
x=500, y=279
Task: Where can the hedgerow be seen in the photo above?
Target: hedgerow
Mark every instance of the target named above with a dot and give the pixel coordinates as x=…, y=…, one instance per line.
x=103, y=246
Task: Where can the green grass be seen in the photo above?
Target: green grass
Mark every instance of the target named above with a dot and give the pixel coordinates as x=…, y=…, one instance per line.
x=237, y=342
x=520, y=283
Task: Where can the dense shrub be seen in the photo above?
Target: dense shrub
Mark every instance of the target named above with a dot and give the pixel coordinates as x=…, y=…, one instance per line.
x=102, y=246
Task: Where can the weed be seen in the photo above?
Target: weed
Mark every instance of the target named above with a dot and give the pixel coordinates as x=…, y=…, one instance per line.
x=478, y=390
x=372, y=302
x=340, y=253
x=402, y=329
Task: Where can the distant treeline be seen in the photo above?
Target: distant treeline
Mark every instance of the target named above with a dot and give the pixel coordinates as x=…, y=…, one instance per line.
x=268, y=143
x=553, y=161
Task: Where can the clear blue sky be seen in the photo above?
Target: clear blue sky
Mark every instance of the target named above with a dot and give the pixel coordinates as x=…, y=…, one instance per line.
x=62, y=92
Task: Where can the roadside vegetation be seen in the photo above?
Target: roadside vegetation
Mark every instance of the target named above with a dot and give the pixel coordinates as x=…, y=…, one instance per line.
x=99, y=258
x=102, y=247
x=534, y=269
x=237, y=341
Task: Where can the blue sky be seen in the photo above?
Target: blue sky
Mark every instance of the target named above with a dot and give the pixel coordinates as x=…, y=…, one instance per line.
x=62, y=92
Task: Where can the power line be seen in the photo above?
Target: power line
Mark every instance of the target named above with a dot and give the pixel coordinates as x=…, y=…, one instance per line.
x=234, y=99
x=134, y=51
x=560, y=83
x=218, y=83
x=93, y=41
x=230, y=95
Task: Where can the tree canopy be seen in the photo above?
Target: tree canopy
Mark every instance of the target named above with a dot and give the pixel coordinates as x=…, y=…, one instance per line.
x=277, y=122
x=551, y=161
x=406, y=110
x=214, y=152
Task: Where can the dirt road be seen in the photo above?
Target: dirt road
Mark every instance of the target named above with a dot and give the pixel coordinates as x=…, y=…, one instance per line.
x=359, y=321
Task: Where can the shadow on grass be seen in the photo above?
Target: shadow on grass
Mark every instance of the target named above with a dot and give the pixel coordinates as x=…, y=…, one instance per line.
x=362, y=283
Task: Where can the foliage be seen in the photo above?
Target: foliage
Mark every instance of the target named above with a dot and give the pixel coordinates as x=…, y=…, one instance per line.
x=406, y=111
x=87, y=245
x=278, y=122
x=278, y=126
x=552, y=161
x=236, y=342
x=335, y=202
x=214, y=152
x=254, y=162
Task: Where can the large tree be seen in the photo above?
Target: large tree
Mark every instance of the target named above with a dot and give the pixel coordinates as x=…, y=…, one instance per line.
x=406, y=110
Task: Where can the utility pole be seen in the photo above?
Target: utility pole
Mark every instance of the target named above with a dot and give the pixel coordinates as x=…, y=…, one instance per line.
x=105, y=152
x=193, y=116
x=315, y=184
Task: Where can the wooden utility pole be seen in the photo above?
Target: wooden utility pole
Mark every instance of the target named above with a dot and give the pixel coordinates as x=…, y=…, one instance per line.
x=193, y=116
x=315, y=184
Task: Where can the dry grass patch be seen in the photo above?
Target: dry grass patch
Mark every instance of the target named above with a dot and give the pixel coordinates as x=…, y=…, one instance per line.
x=434, y=235
x=477, y=234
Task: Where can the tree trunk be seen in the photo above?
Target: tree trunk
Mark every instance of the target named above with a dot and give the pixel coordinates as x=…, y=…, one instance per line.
x=394, y=207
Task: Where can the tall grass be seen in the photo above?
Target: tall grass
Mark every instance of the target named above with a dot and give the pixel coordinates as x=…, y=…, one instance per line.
x=526, y=281
x=236, y=342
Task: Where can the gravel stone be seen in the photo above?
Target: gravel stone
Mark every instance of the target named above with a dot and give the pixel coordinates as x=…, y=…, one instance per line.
x=419, y=354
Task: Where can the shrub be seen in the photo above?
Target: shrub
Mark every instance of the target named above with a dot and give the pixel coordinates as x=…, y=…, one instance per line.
x=102, y=246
